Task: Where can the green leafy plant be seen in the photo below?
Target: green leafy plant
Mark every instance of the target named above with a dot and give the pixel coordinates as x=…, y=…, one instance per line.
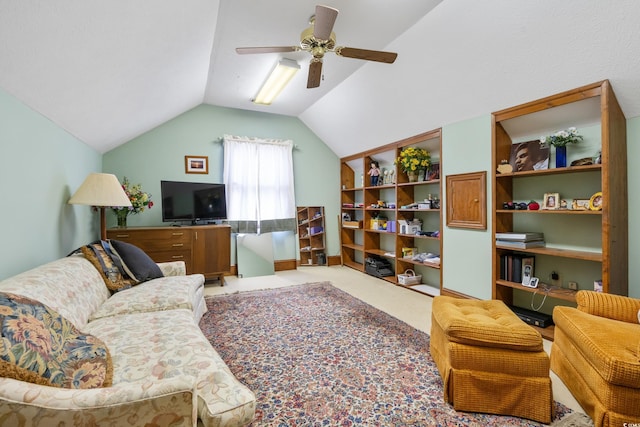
x=562, y=138
x=413, y=159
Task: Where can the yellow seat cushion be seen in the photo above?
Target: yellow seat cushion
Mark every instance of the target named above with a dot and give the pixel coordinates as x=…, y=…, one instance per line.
x=484, y=323
x=610, y=346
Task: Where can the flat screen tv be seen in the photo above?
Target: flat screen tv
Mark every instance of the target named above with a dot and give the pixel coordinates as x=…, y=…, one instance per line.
x=193, y=201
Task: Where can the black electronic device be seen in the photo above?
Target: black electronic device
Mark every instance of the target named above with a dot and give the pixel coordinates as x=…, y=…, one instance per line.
x=378, y=267
x=196, y=202
x=534, y=318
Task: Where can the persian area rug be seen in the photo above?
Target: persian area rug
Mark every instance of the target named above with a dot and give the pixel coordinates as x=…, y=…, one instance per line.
x=316, y=356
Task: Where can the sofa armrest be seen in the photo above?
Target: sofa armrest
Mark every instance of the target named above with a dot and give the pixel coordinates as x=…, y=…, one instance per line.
x=616, y=307
x=173, y=268
x=169, y=401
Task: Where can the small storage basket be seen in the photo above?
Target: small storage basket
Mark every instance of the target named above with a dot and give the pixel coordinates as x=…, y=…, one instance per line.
x=409, y=277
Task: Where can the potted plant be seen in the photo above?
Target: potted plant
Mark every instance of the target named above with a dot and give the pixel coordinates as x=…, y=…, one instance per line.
x=139, y=201
x=412, y=160
x=560, y=140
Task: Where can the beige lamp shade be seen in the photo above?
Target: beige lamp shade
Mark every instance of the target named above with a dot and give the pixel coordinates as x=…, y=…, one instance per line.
x=100, y=189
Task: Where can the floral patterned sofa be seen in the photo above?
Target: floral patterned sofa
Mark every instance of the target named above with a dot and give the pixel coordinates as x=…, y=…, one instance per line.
x=163, y=369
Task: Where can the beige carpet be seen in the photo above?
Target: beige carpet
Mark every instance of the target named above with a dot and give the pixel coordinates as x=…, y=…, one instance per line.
x=411, y=307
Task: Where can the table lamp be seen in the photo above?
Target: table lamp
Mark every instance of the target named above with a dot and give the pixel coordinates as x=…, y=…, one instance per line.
x=101, y=190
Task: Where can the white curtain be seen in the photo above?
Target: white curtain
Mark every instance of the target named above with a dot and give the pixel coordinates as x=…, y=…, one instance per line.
x=258, y=174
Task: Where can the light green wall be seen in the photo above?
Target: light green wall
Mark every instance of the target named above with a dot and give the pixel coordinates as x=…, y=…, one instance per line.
x=159, y=155
x=40, y=167
x=466, y=254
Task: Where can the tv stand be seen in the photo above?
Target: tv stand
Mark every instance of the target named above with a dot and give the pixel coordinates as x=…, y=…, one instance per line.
x=205, y=249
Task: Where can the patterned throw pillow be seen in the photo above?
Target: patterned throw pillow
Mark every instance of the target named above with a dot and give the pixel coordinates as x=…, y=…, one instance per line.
x=100, y=255
x=42, y=347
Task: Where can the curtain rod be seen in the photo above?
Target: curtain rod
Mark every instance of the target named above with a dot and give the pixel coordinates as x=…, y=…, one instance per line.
x=221, y=140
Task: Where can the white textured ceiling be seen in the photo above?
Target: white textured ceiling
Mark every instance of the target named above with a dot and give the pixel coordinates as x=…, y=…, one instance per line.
x=110, y=71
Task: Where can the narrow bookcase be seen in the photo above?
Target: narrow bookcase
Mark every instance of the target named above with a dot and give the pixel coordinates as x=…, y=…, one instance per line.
x=372, y=214
x=311, y=235
x=581, y=246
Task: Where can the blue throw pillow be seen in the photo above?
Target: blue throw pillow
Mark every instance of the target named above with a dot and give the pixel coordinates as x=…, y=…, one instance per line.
x=138, y=265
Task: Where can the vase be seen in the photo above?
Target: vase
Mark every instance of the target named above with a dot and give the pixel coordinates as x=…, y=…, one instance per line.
x=561, y=156
x=421, y=175
x=413, y=176
x=122, y=217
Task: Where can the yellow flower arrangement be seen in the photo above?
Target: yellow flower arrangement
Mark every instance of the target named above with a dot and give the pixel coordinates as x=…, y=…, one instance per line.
x=413, y=159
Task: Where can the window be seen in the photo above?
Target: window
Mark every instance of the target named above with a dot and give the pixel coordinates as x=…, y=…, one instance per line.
x=258, y=174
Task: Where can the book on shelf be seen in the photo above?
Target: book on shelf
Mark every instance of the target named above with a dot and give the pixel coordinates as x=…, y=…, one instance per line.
x=516, y=244
x=522, y=237
x=512, y=266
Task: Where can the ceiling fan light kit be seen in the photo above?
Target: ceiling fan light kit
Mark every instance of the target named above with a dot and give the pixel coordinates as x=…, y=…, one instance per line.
x=277, y=80
x=319, y=39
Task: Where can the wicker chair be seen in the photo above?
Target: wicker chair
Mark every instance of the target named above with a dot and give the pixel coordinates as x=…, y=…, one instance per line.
x=489, y=360
x=596, y=353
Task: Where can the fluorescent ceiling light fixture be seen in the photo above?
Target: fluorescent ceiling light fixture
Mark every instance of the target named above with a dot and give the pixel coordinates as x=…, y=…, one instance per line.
x=277, y=80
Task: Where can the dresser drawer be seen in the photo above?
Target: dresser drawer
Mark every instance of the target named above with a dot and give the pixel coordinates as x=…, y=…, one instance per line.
x=155, y=240
x=169, y=256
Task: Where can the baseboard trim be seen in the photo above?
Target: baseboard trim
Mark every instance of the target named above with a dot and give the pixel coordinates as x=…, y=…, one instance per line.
x=288, y=264
x=455, y=294
x=334, y=260
x=285, y=264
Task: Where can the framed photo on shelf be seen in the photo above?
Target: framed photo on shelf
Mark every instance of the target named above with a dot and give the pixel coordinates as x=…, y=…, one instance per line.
x=433, y=172
x=551, y=201
x=595, y=202
x=580, y=204
x=196, y=164
x=529, y=156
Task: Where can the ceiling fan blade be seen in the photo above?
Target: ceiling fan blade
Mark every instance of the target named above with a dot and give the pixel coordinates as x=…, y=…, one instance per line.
x=249, y=50
x=325, y=18
x=315, y=73
x=369, y=55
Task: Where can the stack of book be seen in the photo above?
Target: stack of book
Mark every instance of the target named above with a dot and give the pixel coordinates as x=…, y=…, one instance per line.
x=519, y=240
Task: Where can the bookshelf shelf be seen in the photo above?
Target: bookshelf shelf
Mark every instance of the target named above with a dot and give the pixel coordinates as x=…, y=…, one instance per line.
x=558, y=252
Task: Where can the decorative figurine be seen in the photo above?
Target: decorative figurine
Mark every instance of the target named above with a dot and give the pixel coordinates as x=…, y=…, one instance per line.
x=374, y=173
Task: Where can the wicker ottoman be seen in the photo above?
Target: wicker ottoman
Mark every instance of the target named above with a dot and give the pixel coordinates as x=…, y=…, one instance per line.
x=490, y=360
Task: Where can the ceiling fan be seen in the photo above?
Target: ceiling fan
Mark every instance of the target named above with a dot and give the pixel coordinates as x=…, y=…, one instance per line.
x=319, y=39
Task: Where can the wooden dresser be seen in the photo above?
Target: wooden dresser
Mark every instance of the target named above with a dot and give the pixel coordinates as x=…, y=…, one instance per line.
x=205, y=249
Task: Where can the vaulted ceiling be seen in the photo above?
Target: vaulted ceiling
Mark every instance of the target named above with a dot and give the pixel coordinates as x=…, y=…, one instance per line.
x=108, y=71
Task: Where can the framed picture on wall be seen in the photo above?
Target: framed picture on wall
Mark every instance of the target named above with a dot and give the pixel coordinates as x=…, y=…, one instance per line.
x=196, y=164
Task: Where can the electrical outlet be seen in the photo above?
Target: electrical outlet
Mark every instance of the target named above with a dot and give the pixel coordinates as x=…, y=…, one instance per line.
x=573, y=286
x=555, y=279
